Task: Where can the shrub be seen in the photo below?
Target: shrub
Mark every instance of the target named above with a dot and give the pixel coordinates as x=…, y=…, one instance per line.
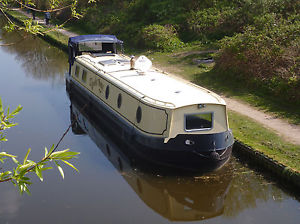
x=161, y=37
x=267, y=54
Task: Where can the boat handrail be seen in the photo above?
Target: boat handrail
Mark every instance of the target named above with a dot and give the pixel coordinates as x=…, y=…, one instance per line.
x=144, y=97
x=158, y=102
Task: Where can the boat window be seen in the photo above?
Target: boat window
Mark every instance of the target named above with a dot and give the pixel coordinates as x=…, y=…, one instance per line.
x=202, y=121
x=108, y=48
x=83, y=75
x=77, y=71
x=139, y=114
x=90, y=46
x=119, y=100
x=107, y=92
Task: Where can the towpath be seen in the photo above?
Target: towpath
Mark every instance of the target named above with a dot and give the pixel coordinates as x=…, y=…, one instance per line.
x=284, y=129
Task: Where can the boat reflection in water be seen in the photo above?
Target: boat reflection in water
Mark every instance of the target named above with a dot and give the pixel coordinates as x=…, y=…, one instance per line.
x=177, y=198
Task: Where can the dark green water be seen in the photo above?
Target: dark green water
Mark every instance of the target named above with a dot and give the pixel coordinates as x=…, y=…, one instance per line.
x=32, y=74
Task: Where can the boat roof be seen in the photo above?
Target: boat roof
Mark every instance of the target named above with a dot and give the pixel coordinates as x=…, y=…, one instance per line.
x=152, y=85
x=94, y=37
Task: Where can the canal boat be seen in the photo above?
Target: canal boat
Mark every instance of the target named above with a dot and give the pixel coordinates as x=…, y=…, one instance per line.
x=168, y=120
x=183, y=198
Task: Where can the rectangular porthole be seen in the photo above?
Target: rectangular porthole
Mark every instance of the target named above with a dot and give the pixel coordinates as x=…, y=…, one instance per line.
x=198, y=122
x=83, y=77
x=77, y=71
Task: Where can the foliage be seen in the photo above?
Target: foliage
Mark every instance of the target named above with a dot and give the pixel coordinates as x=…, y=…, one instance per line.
x=161, y=37
x=41, y=6
x=128, y=18
x=257, y=38
x=212, y=22
x=266, y=54
x=19, y=174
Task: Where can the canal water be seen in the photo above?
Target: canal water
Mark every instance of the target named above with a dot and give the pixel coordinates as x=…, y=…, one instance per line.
x=111, y=186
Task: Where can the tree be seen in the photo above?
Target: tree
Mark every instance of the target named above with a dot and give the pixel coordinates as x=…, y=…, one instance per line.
x=19, y=174
x=44, y=6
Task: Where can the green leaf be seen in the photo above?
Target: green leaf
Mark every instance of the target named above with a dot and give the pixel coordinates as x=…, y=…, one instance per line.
x=3, y=139
x=71, y=165
x=25, y=158
x=6, y=154
x=46, y=152
x=60, y=170
x=46, y=168
x=17, y=110
x=64, y=155
x=23, y=188
x=39, y=173
x=51, y=150
x=15, y=160
x=25, y=181
x=24, y=168
x=5, y=175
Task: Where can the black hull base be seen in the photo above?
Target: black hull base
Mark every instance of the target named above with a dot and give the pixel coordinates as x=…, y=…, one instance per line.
x=182, y=160
x=207, y=153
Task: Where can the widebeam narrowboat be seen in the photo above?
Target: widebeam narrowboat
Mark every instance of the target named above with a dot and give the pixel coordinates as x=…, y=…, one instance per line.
x=166, y=119
x=184, y=198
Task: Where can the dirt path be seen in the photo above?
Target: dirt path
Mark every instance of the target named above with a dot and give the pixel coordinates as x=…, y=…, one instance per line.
x=284, y=129
x=288, y=131
x=41, y=21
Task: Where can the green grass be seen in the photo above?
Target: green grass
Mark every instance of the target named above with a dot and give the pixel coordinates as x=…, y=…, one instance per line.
x=53, y=36
x=253, y=134
x=59, y=37
x=17, y=15
x=75, y=29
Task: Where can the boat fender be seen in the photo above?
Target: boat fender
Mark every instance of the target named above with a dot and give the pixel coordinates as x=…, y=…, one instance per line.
x=214, y=155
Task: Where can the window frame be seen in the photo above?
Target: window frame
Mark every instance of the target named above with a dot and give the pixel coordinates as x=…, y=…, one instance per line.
x=199, y=129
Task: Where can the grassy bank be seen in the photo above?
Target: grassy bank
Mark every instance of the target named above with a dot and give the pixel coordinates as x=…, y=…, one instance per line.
x=53, y=36
x=183, y=63
x=264, y=140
